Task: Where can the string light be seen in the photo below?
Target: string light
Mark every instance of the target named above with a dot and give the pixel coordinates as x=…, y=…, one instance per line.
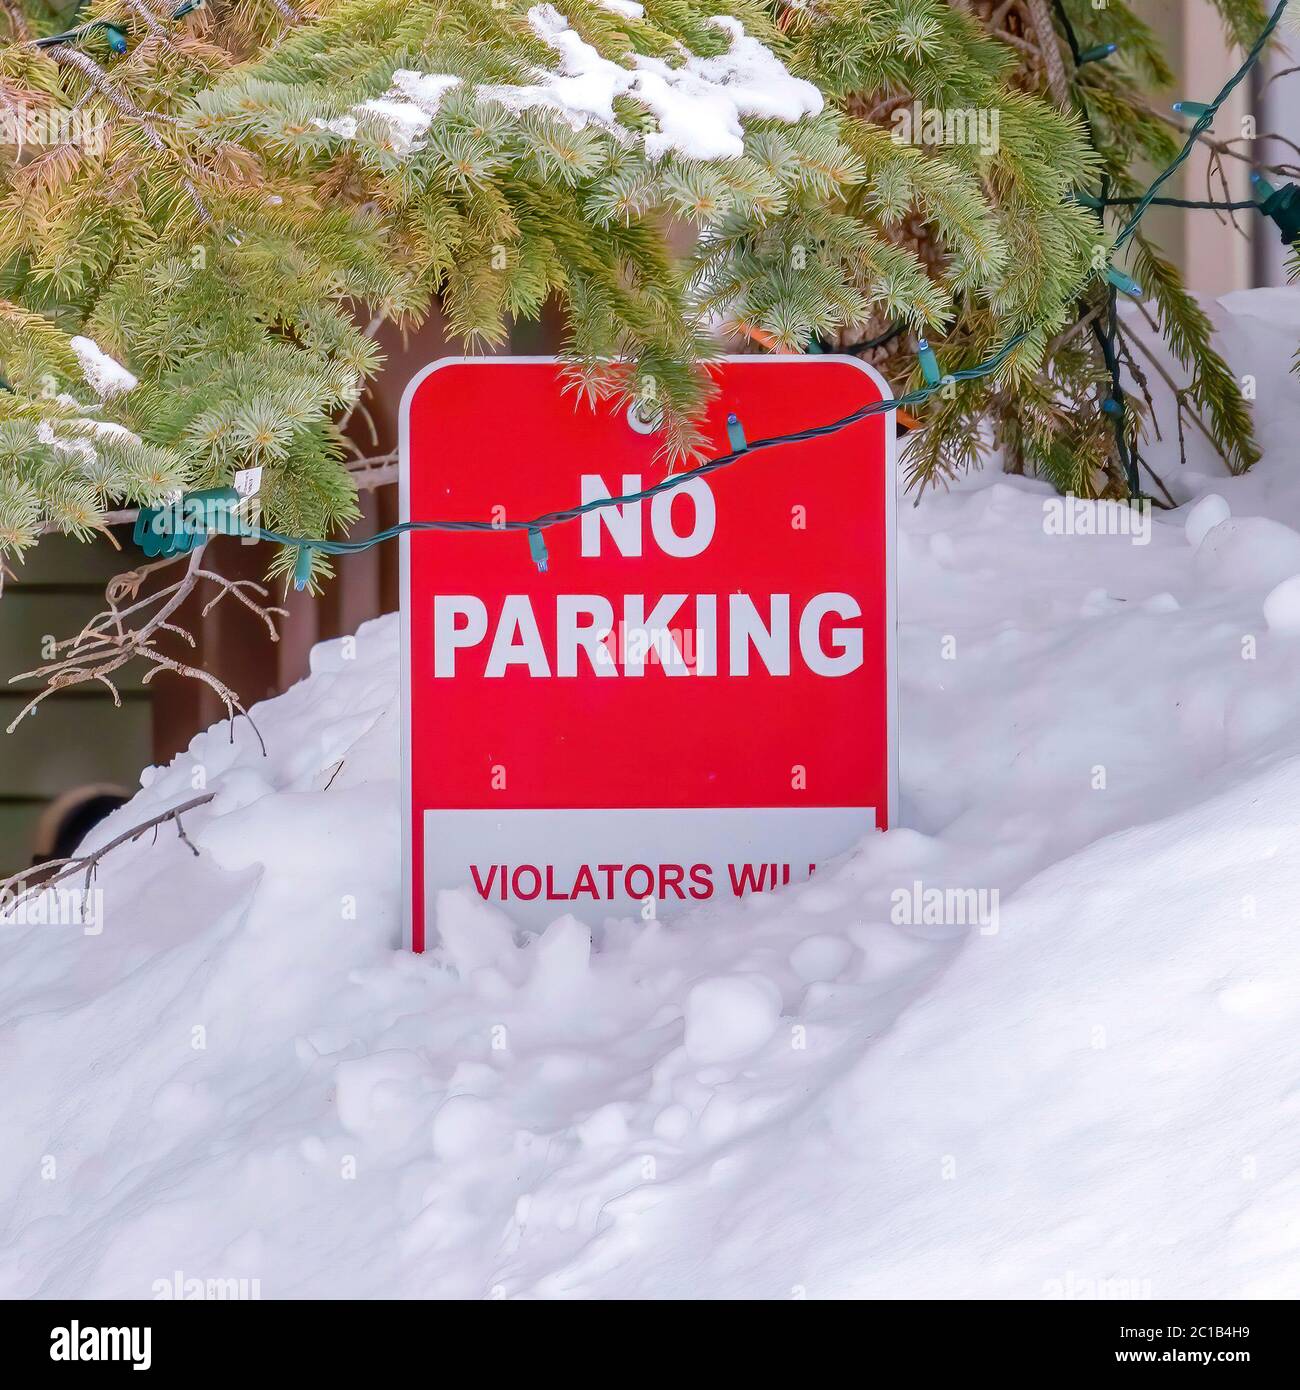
x=1126, y=284
x=1202, y=125
x=302, y=568
x=929, y=362
x=117, y=39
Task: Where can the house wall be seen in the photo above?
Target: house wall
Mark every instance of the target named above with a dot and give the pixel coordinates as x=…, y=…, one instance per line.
x=77, y=737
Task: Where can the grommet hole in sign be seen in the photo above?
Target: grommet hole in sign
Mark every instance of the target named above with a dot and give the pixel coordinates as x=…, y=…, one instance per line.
x=645, y=416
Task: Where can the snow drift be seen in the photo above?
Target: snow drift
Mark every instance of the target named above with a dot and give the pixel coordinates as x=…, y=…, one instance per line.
x=1087, y=1087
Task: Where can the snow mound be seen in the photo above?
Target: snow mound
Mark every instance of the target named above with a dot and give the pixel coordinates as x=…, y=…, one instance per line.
x=1079, y=1079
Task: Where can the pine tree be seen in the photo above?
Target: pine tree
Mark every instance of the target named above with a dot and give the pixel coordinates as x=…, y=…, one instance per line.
x=266, y=182
x=1071, y=421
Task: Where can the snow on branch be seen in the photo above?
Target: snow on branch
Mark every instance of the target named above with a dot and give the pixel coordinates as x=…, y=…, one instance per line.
x=699, y=104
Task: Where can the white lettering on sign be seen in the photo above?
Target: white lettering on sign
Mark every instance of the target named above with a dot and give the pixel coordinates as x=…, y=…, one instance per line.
x=586, y=636
x=847, y=639
x=624, y=521
x=517, y=640
x=447, y=635
x=572, y=636
x=679, y=633
x=771, y=640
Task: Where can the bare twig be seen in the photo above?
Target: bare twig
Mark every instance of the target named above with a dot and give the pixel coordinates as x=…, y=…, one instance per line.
x=151, y=22
x=18, y=27
x=1180, y=393
x=1067, y=334
x=375, y=471
x=1224, y=147
x=99, y=79
x=130, y=626
x=19, y=886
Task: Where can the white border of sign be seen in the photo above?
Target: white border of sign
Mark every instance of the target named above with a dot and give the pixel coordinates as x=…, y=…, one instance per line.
x=404, y=514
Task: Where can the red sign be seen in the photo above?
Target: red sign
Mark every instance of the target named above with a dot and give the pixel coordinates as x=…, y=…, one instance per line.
x=695, y=700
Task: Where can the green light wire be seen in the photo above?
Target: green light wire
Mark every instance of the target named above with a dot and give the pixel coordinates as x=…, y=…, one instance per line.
x=1203, y=123
x=674, y=480
x=1089, y=200
x=68, y=35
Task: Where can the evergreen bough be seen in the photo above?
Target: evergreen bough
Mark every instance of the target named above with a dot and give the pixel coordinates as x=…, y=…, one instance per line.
x=1055, y=422
x=257, y=207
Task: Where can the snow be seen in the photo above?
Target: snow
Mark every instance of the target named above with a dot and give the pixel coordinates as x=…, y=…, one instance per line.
x=80, y=449
x=1088, y=1087
x=730, y=1016
x=105, y=376
x=83, y=431
x=699, y=104
x=108, y=429
x=1204, y=516
x=1282, y=606
x=407, y=109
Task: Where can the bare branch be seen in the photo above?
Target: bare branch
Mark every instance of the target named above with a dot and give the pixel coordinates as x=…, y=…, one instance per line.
x=151, y=22
x=18, y=884
x=1049, y=48
x=1180, y=393
x=99, y=79
x=129, y=628
x=18, y=27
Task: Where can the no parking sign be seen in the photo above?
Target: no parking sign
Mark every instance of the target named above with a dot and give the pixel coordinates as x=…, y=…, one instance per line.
x=695, y=700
